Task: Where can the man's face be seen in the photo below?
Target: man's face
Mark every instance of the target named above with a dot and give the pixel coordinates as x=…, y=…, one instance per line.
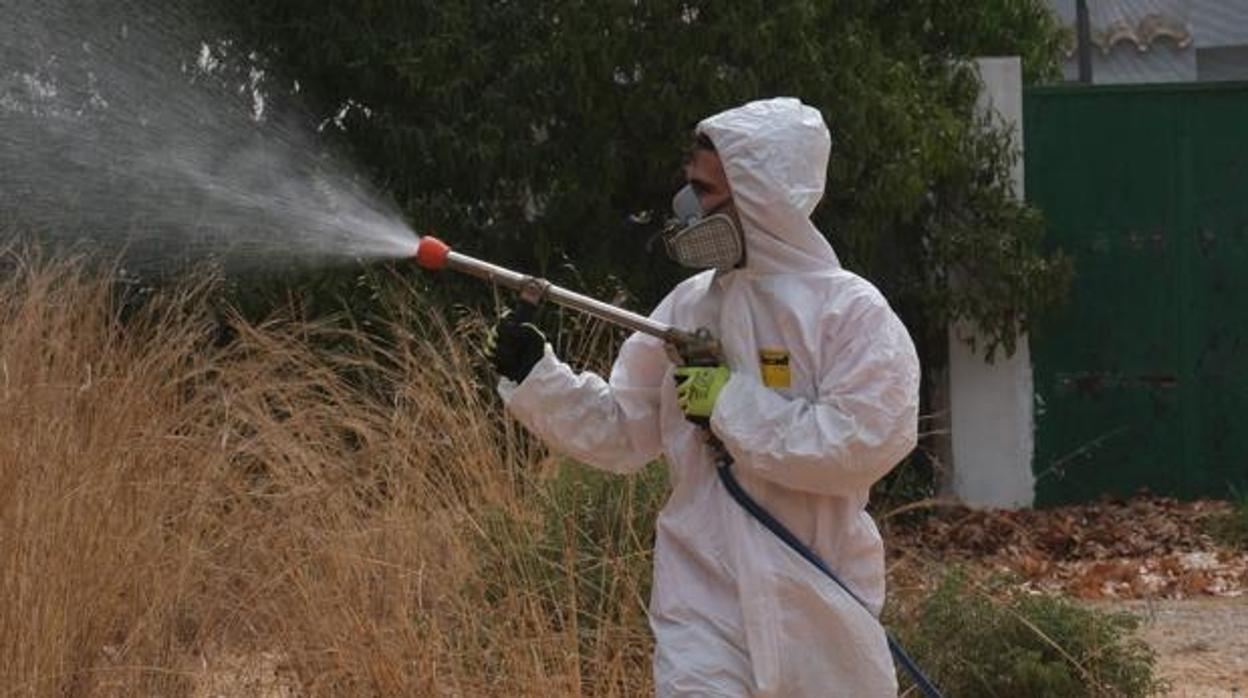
x=705, y=173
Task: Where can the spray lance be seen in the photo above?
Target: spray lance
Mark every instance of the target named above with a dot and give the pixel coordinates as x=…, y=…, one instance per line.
x=693, y=239
x=693, y=348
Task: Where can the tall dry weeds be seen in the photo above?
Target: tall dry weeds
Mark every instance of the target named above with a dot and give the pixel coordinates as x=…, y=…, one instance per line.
x=348, y=512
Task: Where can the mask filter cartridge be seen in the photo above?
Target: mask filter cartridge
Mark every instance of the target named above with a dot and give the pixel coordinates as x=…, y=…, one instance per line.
x=702, y=242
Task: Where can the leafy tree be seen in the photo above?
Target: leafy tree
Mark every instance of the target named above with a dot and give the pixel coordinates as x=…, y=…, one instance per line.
x=548, y=132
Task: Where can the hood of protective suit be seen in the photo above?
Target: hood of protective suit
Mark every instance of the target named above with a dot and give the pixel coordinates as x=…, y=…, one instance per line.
x=775, y=153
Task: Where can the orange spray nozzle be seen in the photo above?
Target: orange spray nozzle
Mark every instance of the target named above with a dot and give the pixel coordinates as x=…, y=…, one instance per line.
x=431, y=253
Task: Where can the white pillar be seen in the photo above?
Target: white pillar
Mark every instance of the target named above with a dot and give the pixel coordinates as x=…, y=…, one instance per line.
x=990, y=404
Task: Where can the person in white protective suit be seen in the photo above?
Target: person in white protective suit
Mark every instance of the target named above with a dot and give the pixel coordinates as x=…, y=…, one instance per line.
x=819, y=400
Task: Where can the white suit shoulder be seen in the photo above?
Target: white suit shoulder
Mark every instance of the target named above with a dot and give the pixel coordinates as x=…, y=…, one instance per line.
x=849, y=300
x=681, y=295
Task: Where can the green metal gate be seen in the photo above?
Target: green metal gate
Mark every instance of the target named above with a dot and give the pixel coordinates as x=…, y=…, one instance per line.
x=1142, y=380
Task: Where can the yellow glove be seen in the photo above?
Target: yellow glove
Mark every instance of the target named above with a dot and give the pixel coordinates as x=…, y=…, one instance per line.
x=697, y=388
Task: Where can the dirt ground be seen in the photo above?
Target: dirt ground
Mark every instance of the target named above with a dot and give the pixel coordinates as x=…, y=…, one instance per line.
x=222, y=674
x=1202, y=643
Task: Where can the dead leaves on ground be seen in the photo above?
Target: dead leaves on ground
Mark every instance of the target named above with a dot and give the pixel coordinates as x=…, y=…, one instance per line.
x=1145, y=547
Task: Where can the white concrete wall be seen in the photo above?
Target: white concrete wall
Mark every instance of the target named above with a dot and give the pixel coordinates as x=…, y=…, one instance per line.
x=990, y=405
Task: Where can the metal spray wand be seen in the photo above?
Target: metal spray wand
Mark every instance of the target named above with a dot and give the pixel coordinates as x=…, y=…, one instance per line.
x=696, y=347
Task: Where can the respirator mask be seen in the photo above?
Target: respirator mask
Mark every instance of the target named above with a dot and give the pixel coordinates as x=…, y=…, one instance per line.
x=700, y=241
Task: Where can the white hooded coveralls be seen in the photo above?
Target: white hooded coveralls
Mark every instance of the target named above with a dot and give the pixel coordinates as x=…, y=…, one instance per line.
x=734, y=611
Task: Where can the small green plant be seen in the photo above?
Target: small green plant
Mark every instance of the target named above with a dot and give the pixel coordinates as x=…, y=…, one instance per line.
x=906, y=487
x=1231, y=528
x=995, y=642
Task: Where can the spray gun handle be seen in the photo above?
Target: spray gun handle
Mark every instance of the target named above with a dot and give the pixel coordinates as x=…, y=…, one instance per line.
x=697, y=348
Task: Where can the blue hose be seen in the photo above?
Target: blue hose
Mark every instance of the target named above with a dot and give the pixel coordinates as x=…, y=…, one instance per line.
x=724, y=467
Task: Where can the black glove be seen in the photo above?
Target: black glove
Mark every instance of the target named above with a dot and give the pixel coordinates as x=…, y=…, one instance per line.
x=515, y=344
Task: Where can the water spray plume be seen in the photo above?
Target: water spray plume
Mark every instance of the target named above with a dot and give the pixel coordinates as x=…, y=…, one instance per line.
x=149, y=127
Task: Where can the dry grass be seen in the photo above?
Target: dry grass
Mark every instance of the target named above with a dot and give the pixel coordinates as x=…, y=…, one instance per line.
x=352, y=512
x=311, y=509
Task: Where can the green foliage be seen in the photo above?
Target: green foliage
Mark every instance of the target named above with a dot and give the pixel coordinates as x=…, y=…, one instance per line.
x=950, y=29
x=1231, y=528
x=997, y=643
x=912, y=480
x=538, y=133
x=997, y=281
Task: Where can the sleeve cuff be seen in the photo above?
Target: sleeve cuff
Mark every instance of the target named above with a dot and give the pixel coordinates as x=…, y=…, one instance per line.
x=509, y=390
